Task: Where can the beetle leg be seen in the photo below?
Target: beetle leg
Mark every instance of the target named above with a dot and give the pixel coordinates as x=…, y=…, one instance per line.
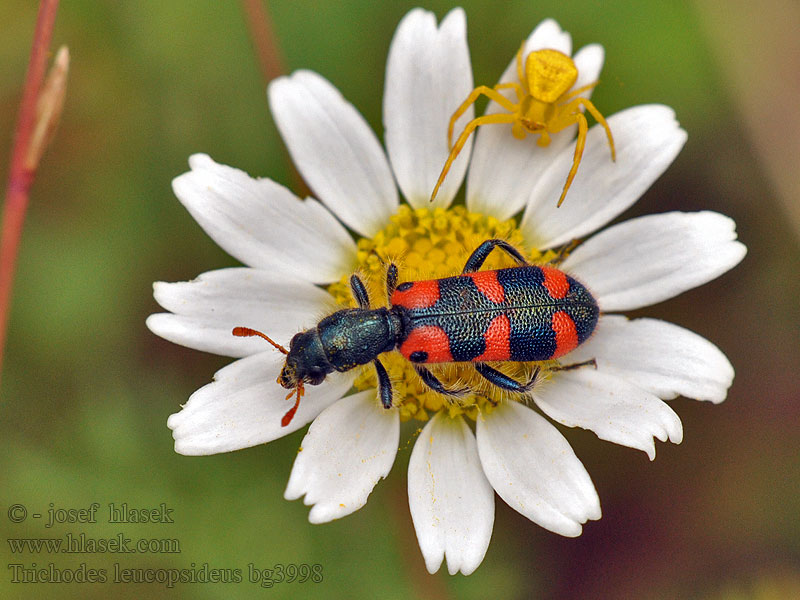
x=437, y=386
x=505, y=382
x=477, y=258
x=587, y=363
x=384, y=384
x=563, y=252
x=359, y=291
x=391, y=280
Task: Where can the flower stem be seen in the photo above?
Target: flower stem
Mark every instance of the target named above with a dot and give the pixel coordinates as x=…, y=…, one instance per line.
x=271, y=63
x=267, y=51
x=25, y=155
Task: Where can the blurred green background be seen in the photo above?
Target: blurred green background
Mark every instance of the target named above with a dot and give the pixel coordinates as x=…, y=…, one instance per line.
x=86, y=388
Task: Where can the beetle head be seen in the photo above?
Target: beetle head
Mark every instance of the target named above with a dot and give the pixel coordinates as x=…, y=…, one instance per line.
x=306, y=361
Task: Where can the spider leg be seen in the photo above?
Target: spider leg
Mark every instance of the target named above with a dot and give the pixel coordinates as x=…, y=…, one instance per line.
x=600, y=119
x=562, y=123
x=473, y=96
x=462, y=139
x=512, y=85
x=520, y=72
x=577, y=92
x=570, y=109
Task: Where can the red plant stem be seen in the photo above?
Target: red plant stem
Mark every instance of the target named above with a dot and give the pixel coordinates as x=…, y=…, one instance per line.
x=267, y=52
x=21, y=172
x=270, y=61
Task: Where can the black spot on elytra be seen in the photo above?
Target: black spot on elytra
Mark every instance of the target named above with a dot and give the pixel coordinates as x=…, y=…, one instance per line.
x=418, y=356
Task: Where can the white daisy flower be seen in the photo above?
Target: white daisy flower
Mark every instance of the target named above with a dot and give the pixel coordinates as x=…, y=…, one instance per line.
x=299, y=256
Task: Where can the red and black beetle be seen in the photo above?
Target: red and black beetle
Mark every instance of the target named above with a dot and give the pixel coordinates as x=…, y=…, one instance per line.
x=524, y=313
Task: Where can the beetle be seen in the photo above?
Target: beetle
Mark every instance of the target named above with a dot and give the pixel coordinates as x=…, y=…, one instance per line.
x=524, y=313
x=544, y=105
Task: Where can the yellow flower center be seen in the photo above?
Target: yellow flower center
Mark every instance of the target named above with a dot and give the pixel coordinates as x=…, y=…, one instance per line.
x=431, y=244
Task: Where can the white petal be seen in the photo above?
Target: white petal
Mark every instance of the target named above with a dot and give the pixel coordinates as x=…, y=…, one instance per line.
x=428, y=75
x=547, y=34
x=244, y=406
x=649, y=259
x=504, y=169
x=647, y=139
x=263, y=224
x=589, y=62
x=206, y=309
x=335, y=150
x=349, y=447
x=614, y=409
x=533, y=468
x=660, y=357
x=452, y=503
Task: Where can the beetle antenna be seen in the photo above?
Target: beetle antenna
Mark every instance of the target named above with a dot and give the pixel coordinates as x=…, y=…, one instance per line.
x=287, y=418
x=247, y=332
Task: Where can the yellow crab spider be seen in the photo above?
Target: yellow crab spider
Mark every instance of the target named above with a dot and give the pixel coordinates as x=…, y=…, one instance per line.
x=544, y=106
